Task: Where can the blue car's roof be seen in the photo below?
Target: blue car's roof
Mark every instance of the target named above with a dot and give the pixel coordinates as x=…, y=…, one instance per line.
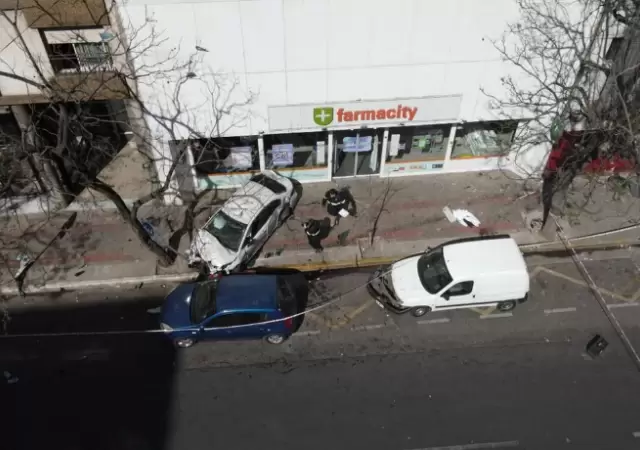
x=246, y=292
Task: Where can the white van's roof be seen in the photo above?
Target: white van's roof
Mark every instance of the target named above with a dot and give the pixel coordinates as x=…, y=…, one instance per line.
x=468, y=259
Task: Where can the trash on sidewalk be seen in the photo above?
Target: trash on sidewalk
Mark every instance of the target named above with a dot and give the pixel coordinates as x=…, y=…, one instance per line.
x=462, y=216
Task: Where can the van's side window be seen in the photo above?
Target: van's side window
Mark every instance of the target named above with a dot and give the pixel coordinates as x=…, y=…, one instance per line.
x=463, y=288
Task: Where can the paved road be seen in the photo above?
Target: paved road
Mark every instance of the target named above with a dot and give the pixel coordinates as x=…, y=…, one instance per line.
x=353, y=378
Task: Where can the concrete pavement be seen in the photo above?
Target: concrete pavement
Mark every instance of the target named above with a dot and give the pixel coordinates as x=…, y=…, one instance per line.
x=453, y=380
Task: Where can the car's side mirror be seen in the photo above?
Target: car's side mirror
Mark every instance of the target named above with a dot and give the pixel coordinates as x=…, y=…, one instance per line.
x=446, y=296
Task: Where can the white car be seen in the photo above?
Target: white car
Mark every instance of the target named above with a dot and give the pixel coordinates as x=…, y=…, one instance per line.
x=239, y=229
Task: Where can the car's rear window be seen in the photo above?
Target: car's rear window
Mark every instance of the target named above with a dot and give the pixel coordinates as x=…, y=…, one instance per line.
x=286, y=297
x=269, y=183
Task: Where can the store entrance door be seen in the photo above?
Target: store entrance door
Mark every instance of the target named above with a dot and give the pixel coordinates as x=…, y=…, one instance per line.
x=357, y=153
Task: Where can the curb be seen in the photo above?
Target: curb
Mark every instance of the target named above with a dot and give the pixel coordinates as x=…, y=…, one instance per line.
x=93, y=284
x=527, y=249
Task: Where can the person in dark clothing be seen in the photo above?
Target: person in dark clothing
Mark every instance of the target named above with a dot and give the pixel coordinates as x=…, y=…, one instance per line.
x=316, y=231
x=337, y=201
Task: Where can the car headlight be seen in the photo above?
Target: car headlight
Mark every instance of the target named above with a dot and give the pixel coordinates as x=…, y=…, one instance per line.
x=165, y=327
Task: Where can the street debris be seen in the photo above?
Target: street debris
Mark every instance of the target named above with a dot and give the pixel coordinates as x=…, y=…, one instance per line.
x=462, y=216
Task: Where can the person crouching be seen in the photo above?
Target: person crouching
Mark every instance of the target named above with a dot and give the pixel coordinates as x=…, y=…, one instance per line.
x=313, y=230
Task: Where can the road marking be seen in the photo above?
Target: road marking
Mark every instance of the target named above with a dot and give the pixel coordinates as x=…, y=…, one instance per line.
x=584, y=284
x=477, y=446
x=497, y=316
x=307, y=333
x=560, y=310
x=352, y=315
x=430, y=321
x=483, y=311
x=368, y=327
x=622, y=305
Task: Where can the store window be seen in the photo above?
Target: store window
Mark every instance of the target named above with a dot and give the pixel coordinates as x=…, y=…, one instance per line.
x=408, y=144
x=295, y=151
x=225, y=155
x=483, y=140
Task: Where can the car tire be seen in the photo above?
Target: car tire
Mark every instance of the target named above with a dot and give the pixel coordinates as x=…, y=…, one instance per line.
x=275, y=339
x=420, y=311
x=184, y=342
x=506, y=306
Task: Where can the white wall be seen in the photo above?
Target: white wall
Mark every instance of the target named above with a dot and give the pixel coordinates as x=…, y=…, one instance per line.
x=316, y=51
x=14, y=59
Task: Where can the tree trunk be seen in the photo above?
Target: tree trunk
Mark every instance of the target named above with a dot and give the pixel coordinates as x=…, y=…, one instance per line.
x=165, y=256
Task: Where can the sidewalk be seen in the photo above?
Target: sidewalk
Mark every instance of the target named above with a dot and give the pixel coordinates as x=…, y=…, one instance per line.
x=396, y=217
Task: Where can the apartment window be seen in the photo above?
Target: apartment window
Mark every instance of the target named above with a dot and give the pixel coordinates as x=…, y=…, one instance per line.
x=80, y=57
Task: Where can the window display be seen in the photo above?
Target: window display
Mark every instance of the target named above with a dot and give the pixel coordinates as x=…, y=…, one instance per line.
x=301, y=150
x=225, y=155
x=418, y=143
x=483, y=140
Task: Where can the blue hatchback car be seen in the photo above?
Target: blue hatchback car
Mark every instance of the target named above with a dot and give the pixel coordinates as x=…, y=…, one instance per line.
x=235, y=307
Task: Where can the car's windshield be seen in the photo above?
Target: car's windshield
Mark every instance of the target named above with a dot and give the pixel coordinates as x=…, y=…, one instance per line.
x=203, y=302
x=226, y=230
x=433, y=272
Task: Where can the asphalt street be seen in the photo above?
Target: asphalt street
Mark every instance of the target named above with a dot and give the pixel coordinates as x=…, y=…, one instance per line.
x=86, y=375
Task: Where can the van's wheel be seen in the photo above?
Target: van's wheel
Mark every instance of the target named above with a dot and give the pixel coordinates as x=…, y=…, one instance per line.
x=275, y=339
x=506, y=306
x=420, y=311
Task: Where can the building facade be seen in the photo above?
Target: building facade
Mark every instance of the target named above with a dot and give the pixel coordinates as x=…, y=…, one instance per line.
x=56, y=53
x=340, y=88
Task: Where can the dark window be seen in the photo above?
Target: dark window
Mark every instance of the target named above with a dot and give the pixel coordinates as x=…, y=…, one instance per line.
x=614, y=48
x=269, y=183
x=84, y=57
x=203, y=301
x=235, y=319
x=264, y=216
x=433, y=271
x=224, y=155
x=463, y=288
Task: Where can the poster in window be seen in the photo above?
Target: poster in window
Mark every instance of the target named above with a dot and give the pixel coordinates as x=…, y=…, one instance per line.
x=353, y=144
x=394, y=145
x=241, y=158
x=282, y=155
x=320, y=152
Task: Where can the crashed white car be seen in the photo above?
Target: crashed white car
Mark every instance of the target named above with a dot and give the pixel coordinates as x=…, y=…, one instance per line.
x=237, y=231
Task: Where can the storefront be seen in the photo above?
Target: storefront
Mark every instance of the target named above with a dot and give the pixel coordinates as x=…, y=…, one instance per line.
x=386, y=138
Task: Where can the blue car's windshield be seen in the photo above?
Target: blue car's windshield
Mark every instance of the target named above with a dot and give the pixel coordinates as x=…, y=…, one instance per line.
x=203, y=301
x=433, y=271
x=226, y=230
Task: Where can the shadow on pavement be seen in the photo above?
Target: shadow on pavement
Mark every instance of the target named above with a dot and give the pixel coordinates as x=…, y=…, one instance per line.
x=85, y=390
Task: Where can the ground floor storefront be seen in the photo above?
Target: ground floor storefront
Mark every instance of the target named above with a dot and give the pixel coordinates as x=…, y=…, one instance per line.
x=363, y=139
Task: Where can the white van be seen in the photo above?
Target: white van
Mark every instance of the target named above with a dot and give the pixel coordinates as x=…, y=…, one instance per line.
x=466, y=273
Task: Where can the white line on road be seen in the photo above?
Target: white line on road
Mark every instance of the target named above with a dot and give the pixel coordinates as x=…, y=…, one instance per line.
x=430, y=321
x=368, y=327
x=307, y=333
x=622, y=305
x=636, y=434
x=559, y=310
x=497, y=316
x=478, y=446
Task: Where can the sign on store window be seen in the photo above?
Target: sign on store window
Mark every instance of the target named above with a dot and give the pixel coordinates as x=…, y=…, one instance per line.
x=282, y=155
x=353, y=144
x=241, y=158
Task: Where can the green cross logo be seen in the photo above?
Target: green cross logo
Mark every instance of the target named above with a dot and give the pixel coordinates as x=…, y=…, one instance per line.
x=323, y=116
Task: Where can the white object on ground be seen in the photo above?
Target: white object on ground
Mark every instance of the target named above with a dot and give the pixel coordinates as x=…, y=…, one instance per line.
x=462, y=216
x=343, y=213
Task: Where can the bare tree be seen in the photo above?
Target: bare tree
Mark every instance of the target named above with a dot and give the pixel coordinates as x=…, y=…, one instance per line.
x=577, y=64
x=63, y=148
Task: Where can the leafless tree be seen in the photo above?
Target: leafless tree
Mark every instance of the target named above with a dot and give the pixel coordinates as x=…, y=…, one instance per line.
x=64, y=152
x=577, y=72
